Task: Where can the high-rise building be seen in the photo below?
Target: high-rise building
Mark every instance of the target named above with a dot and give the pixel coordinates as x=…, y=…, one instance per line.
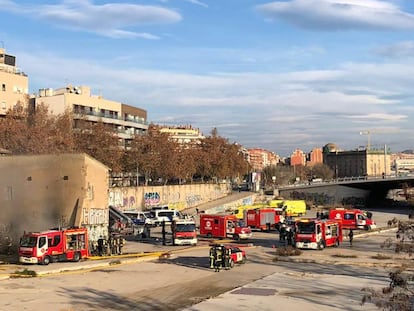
x=14, y=84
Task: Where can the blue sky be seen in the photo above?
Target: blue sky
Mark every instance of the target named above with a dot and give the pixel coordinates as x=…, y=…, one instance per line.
x=276, y=75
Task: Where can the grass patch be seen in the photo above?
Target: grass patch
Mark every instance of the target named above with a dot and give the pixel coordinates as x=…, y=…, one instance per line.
x=381, y=257
x=288, y=251
x=344, y=256
x=24, y=274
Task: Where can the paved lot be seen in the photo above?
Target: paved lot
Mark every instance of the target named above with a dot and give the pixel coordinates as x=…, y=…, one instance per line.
x=328, y=280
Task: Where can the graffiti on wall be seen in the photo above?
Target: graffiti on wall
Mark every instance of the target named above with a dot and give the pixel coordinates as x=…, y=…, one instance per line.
x=129, y=202
x=121, y=201
x=95, y=216
x=177, y=205
x=247, y=201
x=193, y=199
x=152, y=198
x=116, y=199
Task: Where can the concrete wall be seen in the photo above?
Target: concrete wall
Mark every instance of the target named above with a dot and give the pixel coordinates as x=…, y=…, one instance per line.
x=231, y=206
x=45, y=191
x=178, y=197
x=335, y=193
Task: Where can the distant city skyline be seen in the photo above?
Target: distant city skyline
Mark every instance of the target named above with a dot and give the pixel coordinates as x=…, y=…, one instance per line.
x=281, y=75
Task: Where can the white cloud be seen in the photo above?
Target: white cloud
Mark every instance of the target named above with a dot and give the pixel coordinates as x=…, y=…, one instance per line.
x=330, y=15
x=111, y=19
x=197, y=2
x=300, y=108
x=379, y=117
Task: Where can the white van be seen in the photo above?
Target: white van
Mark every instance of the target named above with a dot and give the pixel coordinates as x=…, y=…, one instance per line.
x=167, y=215
x=140, y=218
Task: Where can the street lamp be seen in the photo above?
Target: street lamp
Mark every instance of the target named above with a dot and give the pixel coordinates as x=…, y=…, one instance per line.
x=368, y=133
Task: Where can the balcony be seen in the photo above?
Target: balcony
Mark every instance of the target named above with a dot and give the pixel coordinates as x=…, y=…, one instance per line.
x=108, y=117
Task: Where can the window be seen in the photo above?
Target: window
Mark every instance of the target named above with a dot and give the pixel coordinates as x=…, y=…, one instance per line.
x=56, y=240
x=3, y=87
x=42, y=241
x=334, y=230
x=349, y=216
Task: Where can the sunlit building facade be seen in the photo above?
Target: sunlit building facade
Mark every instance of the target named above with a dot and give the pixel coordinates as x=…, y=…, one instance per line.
x=126, y=121
x=14, y=84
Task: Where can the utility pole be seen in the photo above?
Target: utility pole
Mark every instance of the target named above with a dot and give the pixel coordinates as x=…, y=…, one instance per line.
x=385, y=160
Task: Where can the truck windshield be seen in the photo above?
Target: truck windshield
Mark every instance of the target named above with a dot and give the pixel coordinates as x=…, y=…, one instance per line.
x=185, y=227
x=241, y=223
x=28, y=241
x=305, y=227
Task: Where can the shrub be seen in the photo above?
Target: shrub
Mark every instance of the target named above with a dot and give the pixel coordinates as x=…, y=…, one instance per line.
x=24, y=273
x=288, y=251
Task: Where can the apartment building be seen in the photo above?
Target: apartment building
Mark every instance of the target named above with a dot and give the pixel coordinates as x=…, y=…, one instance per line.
x=298, y=157
x=315, y=157
x=14, y=84
x=125, y=120
x=261, y=158
x=183, y=134
x=403, y=163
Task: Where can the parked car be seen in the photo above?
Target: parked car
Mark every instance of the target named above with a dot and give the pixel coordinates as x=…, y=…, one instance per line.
x=140, y=218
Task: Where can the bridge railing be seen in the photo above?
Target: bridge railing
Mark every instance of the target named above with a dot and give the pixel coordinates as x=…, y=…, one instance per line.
x=342, y=180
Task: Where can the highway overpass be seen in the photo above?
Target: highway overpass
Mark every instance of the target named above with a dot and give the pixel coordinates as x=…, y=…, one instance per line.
x=337, y=191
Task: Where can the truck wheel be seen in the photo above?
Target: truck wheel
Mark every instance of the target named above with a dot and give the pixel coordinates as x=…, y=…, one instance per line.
x=231, y=263
x=76, y=257
x=321, y=245
x=337, y=243
x=46, y=260
x=368, y=228
x=236, y=237
x=209, y=235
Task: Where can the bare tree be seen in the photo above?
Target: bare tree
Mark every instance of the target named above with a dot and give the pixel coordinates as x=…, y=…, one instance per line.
x=399, y=294
x=99, y=141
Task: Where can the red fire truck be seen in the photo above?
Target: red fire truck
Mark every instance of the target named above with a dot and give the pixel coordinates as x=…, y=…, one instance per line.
x=353, y=218
x=184, y=232
x=224, y=226
x=316, y=233
x=264, y=218
x=54, y=245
